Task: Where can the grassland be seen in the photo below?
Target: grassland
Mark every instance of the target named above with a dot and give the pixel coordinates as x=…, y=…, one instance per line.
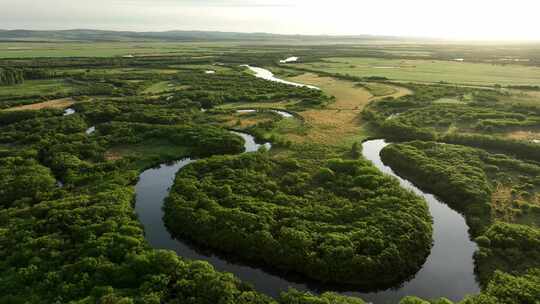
x=430, y=71
x=379, y=89
x=146, y=154
x=38, y=88
x=529, y=98
x=531, y=136
x=158, y=87
x=339, y=123
x=103, y=49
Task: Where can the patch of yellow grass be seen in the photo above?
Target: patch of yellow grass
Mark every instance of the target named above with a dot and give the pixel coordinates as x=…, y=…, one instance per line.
x=524, y=135
x=379, y=89
x=51, y=104
x=247, y=122
x=340, y=122
x=506, y=206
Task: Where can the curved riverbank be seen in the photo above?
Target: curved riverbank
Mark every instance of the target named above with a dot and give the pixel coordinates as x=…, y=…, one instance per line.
x=267, y=75
x=447, y=272
x=449, y=269
x=152, y=189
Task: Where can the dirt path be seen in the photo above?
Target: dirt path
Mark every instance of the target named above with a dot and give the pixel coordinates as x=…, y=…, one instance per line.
x=51, y=104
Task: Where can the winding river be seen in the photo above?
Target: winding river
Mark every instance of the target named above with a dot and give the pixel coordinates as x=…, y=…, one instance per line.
x=290, y=59
x=267, y=75
x=448, y=270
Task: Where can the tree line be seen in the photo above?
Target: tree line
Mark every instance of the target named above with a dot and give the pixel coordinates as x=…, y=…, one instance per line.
x=10, y=76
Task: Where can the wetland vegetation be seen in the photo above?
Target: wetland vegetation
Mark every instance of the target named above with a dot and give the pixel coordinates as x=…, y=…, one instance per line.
x=311, y=207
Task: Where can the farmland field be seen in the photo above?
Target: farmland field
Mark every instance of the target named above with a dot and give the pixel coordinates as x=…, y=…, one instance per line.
x=430, y=71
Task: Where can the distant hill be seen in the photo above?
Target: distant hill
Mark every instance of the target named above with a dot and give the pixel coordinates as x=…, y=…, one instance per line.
x=172, y=36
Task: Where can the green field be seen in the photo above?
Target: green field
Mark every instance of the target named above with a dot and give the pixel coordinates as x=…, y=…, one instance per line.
x=431, y=71
x=378, y=89
x=158, y=87
x=37, y=87
x=146, y=154
x=103, y=49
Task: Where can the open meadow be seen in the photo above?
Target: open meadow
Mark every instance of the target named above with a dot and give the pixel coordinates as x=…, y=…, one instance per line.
x=431, y=71
x=105, y=49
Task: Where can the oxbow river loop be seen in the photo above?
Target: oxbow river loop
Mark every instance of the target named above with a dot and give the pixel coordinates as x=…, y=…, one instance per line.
x=448, y=270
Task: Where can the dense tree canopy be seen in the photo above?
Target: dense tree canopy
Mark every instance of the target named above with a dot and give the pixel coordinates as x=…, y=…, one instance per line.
x=346, y=222
x=68, y=231
x=9, y=76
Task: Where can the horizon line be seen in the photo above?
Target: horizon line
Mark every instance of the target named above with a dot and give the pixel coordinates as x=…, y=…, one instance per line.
x=405, y=37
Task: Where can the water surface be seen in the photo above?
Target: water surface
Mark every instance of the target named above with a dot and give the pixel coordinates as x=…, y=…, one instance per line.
x=290, y=59
x=267, y=75
x=249, y=143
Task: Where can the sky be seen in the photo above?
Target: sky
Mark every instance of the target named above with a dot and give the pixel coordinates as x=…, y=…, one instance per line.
x=449, y=19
